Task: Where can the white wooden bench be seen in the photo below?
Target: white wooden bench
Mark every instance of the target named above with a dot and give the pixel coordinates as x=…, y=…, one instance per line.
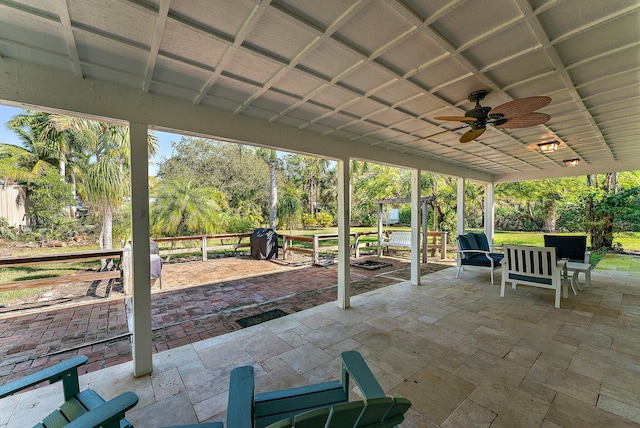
x=398, y=239
x=536, y=266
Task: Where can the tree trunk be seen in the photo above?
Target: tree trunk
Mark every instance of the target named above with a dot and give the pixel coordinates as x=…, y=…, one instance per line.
x=611, y=183
x=106, y=240
x=550, y=217
x=591, y=224
x=106, y=228
x=601, y=227
x=274, y=190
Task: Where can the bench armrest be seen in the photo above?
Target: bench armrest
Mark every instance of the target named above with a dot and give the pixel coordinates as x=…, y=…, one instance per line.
x=108, y=414
x=354, y=366
x=67, y=371
x=240, y=409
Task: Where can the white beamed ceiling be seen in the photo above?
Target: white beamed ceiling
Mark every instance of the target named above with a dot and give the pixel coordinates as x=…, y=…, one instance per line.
x=339, y=78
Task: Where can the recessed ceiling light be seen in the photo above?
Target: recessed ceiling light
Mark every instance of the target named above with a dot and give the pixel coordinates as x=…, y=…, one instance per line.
x=548, y=147
x=570, y=163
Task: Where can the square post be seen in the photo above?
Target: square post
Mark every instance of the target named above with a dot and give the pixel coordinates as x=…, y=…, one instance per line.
x=489, y=213
x=415, y=227
x=141, y=346
x=344, y=250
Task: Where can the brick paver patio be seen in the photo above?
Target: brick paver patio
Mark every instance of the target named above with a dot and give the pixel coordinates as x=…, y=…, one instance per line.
x=198, y=300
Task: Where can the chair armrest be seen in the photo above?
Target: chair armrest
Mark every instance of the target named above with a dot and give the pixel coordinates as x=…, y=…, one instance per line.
x=66, y=370
x=587, y=256
x=354, y=366
x=240, y=408
x=474, y=251
x=562, y=266
x=108, y=414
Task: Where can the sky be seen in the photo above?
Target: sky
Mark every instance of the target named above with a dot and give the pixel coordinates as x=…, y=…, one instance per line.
x=9, y=137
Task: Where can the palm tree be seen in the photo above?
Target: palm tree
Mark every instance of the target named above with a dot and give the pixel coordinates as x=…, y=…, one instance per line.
x=106, y=177
x=43, y=140
x=184, y=208
x=45, y=146
x=270, y=156
x=273, y=201
x=13, y=163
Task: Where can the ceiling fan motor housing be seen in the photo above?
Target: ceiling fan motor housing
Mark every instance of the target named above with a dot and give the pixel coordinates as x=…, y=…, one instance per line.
x=480, y=113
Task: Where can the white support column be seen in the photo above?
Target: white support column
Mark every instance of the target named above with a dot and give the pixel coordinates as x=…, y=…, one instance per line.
x=344, y=249
x=142, y=361
x=415, y=227
x=425, y=217
x=489, y=212
x=379, y=229
x=460, y=210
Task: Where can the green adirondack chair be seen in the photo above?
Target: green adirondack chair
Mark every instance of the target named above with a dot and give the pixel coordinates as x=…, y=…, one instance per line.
x=319, y=405
x=81, y=409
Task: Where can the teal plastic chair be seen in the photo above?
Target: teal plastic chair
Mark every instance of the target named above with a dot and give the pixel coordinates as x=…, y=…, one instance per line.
x=81, y=409
x=318, y=405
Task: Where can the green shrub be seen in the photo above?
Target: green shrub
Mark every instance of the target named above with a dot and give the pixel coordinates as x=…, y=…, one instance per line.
x=7, y=232
x=308, y=221
x=238, y=224
x=49, y=198
x=404, y=214
x=324, y=219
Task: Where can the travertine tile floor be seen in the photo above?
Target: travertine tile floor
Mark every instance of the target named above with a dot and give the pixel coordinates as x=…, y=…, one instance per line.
x=461, y=354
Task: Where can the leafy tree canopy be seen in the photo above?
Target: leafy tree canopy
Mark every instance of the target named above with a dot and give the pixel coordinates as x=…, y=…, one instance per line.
x=236, y=170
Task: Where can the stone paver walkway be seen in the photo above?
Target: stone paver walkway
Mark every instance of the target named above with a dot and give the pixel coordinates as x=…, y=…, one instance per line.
x=198, y=300
x=463, y=356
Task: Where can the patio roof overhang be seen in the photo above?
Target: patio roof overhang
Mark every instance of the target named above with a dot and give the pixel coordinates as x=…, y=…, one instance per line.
x=340, y=79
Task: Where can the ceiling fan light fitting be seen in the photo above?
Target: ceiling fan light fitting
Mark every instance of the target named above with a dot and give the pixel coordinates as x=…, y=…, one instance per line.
x=570, y=163
x=548, y=146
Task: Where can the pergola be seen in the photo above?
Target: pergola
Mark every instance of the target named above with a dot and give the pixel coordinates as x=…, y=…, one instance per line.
x=424, y=200
x=341, y=79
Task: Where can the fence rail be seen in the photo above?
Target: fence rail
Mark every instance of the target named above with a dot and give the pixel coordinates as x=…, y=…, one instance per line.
x=58, y=258
x=239, y=240
x=204, y=243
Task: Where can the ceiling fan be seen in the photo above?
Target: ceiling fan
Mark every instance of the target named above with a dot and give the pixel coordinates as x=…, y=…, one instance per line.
x=514, y=114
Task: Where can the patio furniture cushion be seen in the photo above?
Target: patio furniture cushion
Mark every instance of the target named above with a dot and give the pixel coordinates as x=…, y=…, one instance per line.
x=483, y=260
x=481, y=240
x=466, y=243
x=472, y=252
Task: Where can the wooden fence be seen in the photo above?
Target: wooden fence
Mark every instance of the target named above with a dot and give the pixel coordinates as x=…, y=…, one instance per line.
x=234, y=241
x=59, y=258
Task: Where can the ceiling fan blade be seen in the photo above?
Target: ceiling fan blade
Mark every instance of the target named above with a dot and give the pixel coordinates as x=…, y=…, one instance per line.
x=472, y=135
x=440, y=132
x=521, y=106
x=525, y=120
x=456, y=118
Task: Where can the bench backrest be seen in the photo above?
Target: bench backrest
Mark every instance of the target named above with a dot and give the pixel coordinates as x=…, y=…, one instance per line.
x=536, y=264
x=400, y=237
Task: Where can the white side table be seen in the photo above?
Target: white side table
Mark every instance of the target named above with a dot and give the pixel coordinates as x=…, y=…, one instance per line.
x=577, y=268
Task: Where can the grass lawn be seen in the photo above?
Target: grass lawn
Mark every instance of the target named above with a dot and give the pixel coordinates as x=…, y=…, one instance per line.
x=629, y=241
x=621, y=262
